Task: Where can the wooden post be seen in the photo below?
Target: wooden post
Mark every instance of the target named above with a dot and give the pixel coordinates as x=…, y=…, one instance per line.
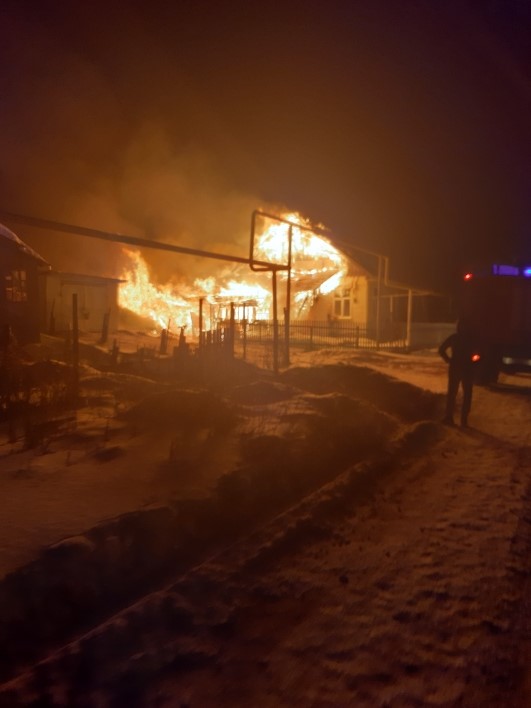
x=163, y=349
x=75, y=345
x=52, y=319
x=114, y=354
x=105, y=327
x=232, y=328
x=287, y=312
x=200, y=322
x=378, y=302
x=409, y=317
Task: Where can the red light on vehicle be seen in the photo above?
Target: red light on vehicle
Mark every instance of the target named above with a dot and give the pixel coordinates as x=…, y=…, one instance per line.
x=476, y=357
x=468, y=276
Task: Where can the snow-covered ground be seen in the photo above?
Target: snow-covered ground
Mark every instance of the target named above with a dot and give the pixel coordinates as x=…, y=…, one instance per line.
x=401, y=582
x=71, y=484
x=416, y=597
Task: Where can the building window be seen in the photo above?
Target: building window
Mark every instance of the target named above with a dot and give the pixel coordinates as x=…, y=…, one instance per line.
x=342, y=303
x=16, y=286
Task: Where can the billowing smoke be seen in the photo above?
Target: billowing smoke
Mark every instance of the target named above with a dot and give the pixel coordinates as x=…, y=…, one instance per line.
x=73, y=152
x=182, y=197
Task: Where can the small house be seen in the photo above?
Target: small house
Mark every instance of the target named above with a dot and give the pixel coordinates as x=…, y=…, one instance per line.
x=20, y=266
x=382, y=309
x=97, y=302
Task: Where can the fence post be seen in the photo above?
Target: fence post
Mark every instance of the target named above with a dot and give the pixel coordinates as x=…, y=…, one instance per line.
x=51, y=329
x=200, y=323
x=114, y=354
x=232, y=329
x=105, y=327
x=75, y=345
x=409, y=318
x=163, y=349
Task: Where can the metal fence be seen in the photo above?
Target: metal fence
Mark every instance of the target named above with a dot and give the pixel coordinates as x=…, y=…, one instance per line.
x=333, y=333
x=255, y=341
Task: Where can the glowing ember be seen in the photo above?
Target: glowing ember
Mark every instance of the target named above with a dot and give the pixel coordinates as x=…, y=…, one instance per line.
x=317, y=269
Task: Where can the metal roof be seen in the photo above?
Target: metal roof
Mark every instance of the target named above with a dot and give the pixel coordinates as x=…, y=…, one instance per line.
x=8, y=235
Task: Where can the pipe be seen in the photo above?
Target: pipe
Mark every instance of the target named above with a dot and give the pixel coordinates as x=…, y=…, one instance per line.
x=124, y=238
x=287, y=318
x=275, y=322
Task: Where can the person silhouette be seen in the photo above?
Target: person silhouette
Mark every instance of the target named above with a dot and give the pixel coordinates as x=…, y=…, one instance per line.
x=460, y=371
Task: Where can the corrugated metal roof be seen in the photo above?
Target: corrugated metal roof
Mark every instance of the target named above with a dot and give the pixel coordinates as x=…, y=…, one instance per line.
x=6, y=233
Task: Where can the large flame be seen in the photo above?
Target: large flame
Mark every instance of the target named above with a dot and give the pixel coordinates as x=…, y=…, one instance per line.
x=306, y=247
x=316, y=268
x=140, y=295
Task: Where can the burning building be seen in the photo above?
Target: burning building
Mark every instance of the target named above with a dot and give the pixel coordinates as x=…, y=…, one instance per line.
x=321, y=284
x=316, y=269
x=294, y=274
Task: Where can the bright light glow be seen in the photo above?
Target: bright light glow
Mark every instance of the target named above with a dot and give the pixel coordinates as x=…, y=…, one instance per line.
x=163, y=306
x=332, y=283
x=476, y=357
x=505, y=270
x=273, y=245
x=527, y=272
x=468, y=276
x=317, y=269
x=235, y=291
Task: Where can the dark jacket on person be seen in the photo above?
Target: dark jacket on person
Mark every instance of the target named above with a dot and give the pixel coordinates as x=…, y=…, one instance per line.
x=460, y=371
x=462, y=350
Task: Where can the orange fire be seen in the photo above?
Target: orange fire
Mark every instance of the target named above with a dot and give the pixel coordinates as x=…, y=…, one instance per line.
x=317, y=268
x=140, y=295
x=308, y=250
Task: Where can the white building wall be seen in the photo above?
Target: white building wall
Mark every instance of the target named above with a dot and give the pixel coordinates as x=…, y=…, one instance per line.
x=94, y=299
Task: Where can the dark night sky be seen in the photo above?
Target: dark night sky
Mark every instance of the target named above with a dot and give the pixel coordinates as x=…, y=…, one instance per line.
x=403, y=126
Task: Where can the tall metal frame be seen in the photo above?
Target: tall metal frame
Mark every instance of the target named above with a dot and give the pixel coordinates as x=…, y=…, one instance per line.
x=257, y=266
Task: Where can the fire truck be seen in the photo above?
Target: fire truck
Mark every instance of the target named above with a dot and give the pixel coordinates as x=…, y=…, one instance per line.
x=495, y=304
